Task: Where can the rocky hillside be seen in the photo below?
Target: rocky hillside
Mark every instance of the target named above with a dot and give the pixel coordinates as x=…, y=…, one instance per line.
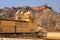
x=44, y=16
x=48, y=19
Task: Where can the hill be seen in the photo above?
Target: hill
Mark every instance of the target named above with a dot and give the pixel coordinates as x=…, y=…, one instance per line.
x=44, y=16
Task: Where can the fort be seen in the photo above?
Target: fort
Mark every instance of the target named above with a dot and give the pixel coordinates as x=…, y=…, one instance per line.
x=28, y=21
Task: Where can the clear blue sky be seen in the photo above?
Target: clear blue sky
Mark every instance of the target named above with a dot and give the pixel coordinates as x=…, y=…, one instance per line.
x=55, y=4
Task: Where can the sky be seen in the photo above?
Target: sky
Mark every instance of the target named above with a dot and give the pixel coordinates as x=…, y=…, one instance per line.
x=55, y=4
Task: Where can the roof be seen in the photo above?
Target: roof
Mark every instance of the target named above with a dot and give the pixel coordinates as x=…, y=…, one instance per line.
x=13, y=20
